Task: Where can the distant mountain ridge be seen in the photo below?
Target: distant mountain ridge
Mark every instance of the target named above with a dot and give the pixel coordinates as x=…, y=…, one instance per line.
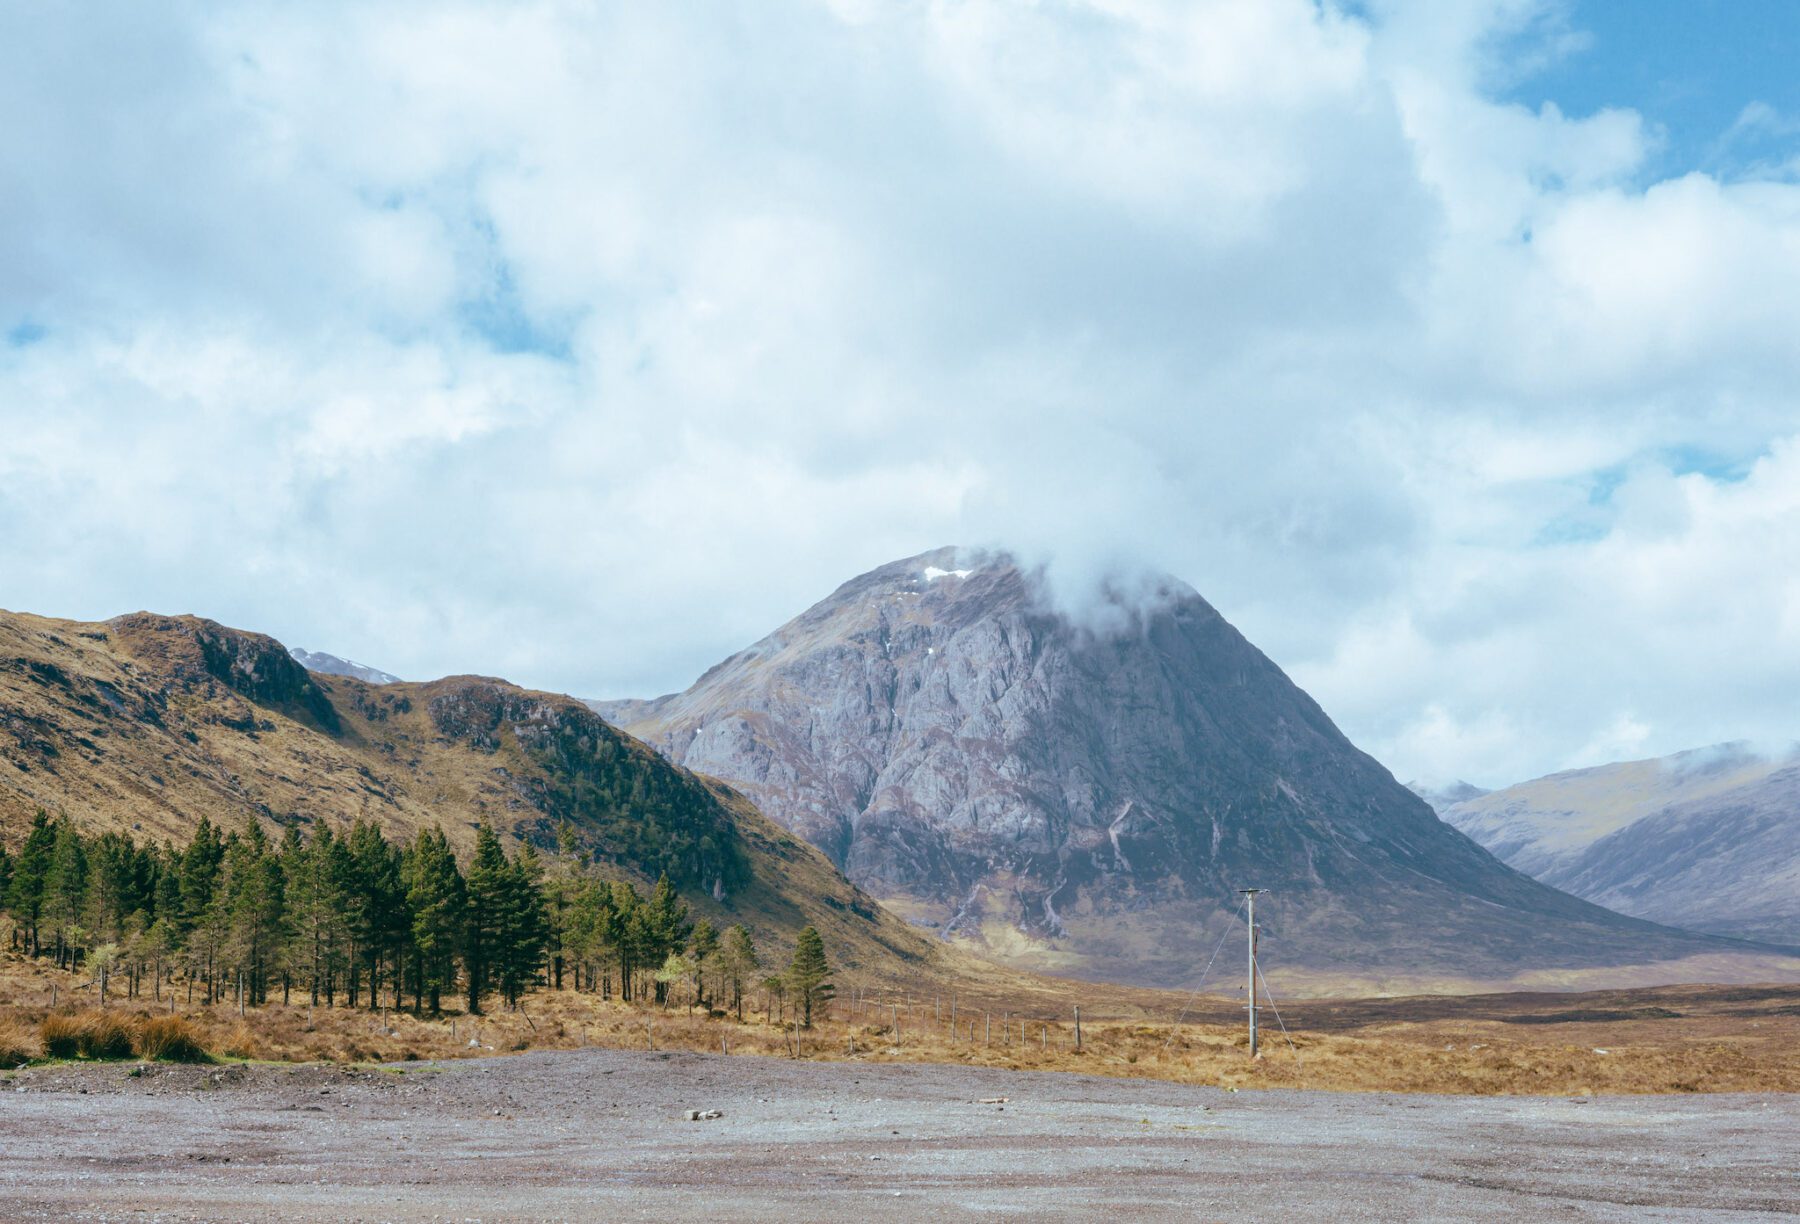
x=1085, y=800
x=1707, y=839
x=331, y=665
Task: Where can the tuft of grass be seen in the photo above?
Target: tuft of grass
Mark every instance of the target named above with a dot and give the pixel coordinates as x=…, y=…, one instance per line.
x=241, y=1041
x=91, y=1034
x=104, y=1035
x=18, y=1044
x=60, y=1034
x=170, y=1039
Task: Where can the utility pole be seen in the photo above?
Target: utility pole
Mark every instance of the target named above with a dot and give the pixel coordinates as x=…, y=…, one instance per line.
x=1249, y=895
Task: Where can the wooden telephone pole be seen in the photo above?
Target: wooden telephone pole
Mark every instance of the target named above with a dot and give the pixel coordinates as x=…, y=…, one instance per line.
x=1249, y=895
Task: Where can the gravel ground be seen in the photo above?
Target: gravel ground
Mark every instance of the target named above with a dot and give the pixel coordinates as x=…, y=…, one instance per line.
x=599, y=1134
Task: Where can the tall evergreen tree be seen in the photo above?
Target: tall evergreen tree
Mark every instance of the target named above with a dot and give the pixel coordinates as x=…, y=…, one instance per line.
x=6, y=875
x=624, y=930
x=524, y=926
x=809, y=976
x=665, y=928
x=316, y=881
x=703, y=946
x=113, y=893
x=200, y=864
x=377, y=905
x=254, y=899
x=484, y=926
x=589, y=920
x=562, y=884
x=434, y=895
x=25, y=896
x=167, y=904
x=65, y=891
x=738, y=963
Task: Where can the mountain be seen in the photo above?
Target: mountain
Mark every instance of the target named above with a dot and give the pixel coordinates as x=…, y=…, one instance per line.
x=331, y=665
x=1441, y=797
x=145, y=723
x=1708, y=839
x=1083, y=795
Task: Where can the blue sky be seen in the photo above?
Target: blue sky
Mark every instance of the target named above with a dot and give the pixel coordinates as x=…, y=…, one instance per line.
x=1693, y=67
x=585, y=344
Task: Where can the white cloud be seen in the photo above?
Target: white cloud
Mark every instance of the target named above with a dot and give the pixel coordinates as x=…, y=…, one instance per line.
x=523, y=339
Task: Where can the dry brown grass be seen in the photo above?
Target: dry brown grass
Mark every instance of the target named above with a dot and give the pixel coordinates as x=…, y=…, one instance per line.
x=170, y=1039
x=1679, y=1039
x=86, y=1034
x=60, y=1034
x=18, y=1042
x=102, y=1034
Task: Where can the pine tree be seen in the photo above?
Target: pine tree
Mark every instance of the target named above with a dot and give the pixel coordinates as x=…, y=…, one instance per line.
x=434, y=895
x=6, y=875
x=562, y=884
x=524, y=926
x=200, y=865
x=25, y=896
x=485, y=915
x=316, y=880
x=809, y=976
x=113, y=885
x=623, y=933
x=65, y=891
x=167, y=903
x=738, y=964
x=253, y=896
x=377, y=905
x=703, y=946
x=589, y=919
x=665, y=928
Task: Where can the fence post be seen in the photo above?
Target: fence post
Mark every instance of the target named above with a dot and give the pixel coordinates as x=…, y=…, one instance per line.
x=1078, y=1028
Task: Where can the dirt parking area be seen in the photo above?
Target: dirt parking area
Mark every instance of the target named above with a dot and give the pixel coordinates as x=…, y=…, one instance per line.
x=603, y=1135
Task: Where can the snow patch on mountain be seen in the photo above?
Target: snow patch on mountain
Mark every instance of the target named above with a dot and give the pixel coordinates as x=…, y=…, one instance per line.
x=330, y=665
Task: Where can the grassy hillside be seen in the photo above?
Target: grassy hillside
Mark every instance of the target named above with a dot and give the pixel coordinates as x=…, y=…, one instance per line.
x=146, y=723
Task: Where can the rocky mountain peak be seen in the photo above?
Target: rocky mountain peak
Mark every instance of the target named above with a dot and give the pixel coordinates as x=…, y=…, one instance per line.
x=1082, y=791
